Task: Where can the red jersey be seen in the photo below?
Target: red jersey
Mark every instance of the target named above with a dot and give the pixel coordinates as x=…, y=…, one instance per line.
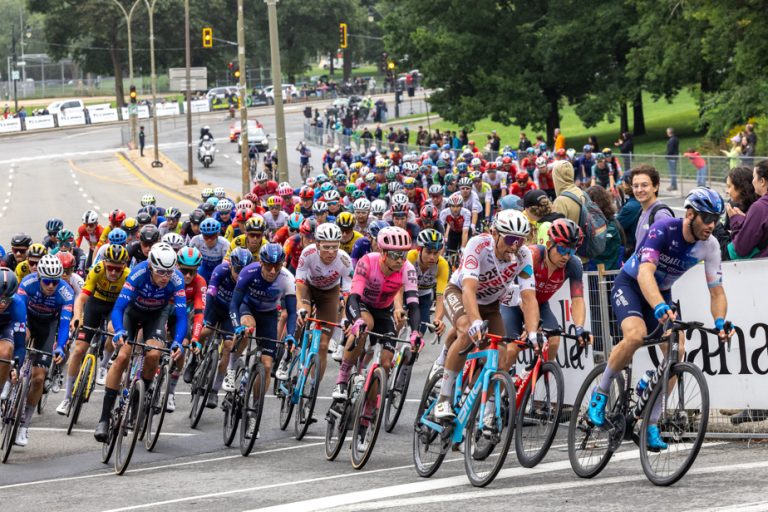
x=93, y=239
x=269, y=189
x=195, y=293
x=547, y=284
x=546, y=181
x=419, y=198
x=281, y=235
x=519, y=191
x=293, y=250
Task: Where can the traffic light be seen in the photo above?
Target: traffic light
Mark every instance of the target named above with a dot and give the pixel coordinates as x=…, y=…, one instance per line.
x=207, y=37
x=132, y=94
x=383, y=61
x=342, y=35
x=236, y=73
x=391, y=65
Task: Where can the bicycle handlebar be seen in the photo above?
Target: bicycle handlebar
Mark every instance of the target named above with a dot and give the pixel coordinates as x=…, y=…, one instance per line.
x=216, y=329
x=147, y=346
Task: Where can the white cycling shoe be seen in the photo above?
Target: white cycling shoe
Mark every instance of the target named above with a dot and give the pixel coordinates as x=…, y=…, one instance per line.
x=101, y=376
x=444, y=410
x=229, y=381
x=63, y=407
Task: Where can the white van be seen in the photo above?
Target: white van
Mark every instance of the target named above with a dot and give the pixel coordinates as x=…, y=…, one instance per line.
x=57, y=106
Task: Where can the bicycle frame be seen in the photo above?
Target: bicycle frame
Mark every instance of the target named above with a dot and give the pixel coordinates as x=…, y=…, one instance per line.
x=310, y=344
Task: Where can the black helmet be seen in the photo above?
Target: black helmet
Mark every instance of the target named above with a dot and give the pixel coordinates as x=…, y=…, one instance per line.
x=9, y=283
x=197, y=216
x=149, y=234
x=143, y=218
x=208, y=208
x=54, y=225
x=21, y=240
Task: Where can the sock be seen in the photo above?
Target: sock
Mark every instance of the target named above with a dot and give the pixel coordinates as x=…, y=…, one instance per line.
x=105, y=358
x=344, y=372
x=110, y=395
x=440, y=361
x=232, y=361
x=605, y=381
x=656, y=412
x=174, y=381
x=69, y=386
x=448, y=383
x=28, y=412
x=217, y=381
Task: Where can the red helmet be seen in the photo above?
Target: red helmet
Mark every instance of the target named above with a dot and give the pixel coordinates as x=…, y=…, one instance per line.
x=429, y=212
x=308, y=227
x=67, y=259
x=561, y=152
x=521, y=175
x=116, y=217
x=243, y=214
x=307, y=193
x=506, y=160
x=565, y=232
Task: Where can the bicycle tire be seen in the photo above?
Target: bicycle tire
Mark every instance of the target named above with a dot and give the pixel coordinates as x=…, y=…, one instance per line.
x=79, y=391
x=108, y=446
x=398, y=389
x=161, y=388
x=47, y=384
x=252, y=408
x=579, y=424
x=424, y=438
x=233, y=411
x=19, y=404
x=678, y=420
x=129, y=431
x=359, y=457
x=307, y=398
x=286, y=401
x=550, y=374
x=505, y=394
x=203, y=388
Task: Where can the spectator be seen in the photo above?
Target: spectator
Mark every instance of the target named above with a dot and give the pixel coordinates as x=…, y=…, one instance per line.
x=673, y=154
x=750, y=230
x=463, y=138
x=645, y=186
x=748, y=145
x=495, y=142
x=540, y=145
x=538, y=209
x=734, y=152
x=700, y=164
x=455, y=141
x=626, y=147
x=629, y=215
x=559, y=140
x=366, y=137
x=562, y=174
x=592, y=141
x=142, y=140
x=378, y=135
x=524, y=143
x=741, y=195
x=613, y=254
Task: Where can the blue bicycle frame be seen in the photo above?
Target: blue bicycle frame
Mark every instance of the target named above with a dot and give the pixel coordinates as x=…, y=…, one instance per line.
x=310, y=344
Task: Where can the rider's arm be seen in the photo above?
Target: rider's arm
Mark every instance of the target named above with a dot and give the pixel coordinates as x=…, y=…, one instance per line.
x=180, y=307
x=19, y=319
x=197, y=308
x=359, y=281
x=66, y=299
x=718, y=302
x=411, y=296
x=127, y=295
x=290, y=307
x=469, y=298
x=648, y=284
x=80, y=305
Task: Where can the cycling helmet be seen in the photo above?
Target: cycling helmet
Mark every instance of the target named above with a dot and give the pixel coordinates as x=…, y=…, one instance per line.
x=511, y=222
x=189, y=257
x=272, y=253
x=21, y=240
x=449, y=178
x=173, y=213
x=285, y=189
x=37, y=251
x=475, y=176
x=210, y=226
x=362, y=205
x=599, y=156
x=240, y=257
x=400, y=208
x=350, y=189
x=242, y=215
x=295, y=220
x=378, y=207
x=9, y=283
x=345, y=220
x=50, y=267
x=565, y=232
x=116, y=254
x=150, y=209
x=340, y=178
x=308, y=227
x=455, y=199
x=212, y=200
x=225, y=206
x=511, y=202
x=704, y=200
x=148, y=199
x=462, y=167
x=399, y=199
x=431, y=239
x=307, y=193
x=409, y=182
x=357, y=194
x=130, y=225
x=322, y=179
x=65, y=235
x=435, y=190
x=67, y=259
x=587, y=148
x=162, y=257
x=395, y=187
x=149, y=234
x=370, y=178
x=175, y=240
x=143, y=218
x=607, y=152
x=442, y=164
x=208, y=208
x=255, y=224
x=506, y=161
x=275, y=201
x=391, y=174
x=325, y=187
x=197, y=216
x=393, y=239
x=328, y=233
x=465, y=182
x=428, y=212
x=331, y=195
x=90, y=217
x=521, y=176
x=377, y=226
x=475, y=162
x=245, y=204
x=219, y=192
x=54, y=225
x=260, y=176
x=319, y=207
x=206, y=193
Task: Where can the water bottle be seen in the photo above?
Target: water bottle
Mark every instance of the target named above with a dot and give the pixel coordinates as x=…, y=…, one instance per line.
x=642, y=384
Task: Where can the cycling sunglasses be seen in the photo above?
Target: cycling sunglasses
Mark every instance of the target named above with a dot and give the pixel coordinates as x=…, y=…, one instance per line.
x=19, y=250
x=511, y=240
x=210, y=237
x=328, y=247
x=565, y=251
x=396, y=255
x=164, y=273
x=5, y=301
x=49, y=282
x=465, y=189
x=114, y=268
x=708, y=218
x=189, y=271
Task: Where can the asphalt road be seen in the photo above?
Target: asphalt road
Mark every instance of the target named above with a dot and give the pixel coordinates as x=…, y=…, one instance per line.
x=65, y=173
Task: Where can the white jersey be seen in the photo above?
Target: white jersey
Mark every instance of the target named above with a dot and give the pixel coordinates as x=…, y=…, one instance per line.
x=473, y=203
x=499, y=181
x=312, y=271
x=212, y=256
x=495, y=277
x=76, y=282
x=275, y=223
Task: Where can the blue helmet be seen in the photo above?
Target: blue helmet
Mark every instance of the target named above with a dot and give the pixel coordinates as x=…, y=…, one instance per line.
x=705, y=200
x=117, y=237
x=213, y=200
x=295, y=220
x=189, y=257
x=272, y=253
x=377, y=226
x=240, y=257
x=587, y=148
x=210, y=226
x=434, y=147
x=511, y=202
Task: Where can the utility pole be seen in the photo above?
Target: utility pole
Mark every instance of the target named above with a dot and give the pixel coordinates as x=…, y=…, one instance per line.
x=13, y=69
x=188, y=88
x=132, y=110
x=242, y=85
x=151, y=8
x=274, y=43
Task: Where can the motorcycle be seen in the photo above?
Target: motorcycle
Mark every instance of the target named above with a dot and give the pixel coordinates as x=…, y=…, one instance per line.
x=206, y=152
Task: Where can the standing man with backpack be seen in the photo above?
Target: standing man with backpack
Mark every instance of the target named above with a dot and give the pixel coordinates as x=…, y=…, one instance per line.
x=645, y=186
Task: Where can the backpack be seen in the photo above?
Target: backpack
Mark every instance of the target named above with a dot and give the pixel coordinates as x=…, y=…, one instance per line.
x=594, y=225
x=655, y=209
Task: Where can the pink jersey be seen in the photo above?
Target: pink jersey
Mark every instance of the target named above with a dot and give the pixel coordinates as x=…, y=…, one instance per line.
x=378, y=290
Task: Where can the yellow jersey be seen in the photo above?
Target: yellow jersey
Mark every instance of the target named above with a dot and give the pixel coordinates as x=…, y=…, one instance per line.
x=23, y=270
x=99, y=287
x=435, y=277
x=347, y=247
x=239, y=241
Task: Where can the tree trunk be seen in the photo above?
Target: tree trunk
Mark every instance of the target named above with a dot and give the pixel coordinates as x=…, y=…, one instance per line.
x=553, y=117
x=330, y=64
x=638, y=116
x=114, y=53
x=347, y=64
x=624, y=118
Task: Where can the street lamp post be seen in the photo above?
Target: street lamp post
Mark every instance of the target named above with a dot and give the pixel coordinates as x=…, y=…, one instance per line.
x=244, y=150
x=282, y=148
x=132, y=113
x=151, y=8
x=187, y=63
x=13, y=51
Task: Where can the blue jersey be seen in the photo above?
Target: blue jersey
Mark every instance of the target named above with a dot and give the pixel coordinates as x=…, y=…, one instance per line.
x=361, y=248
x=224, y=223
x=48, y=307
x=372, y=194
x=220, y=287
x=140, y=292
x=13, y=322
x=212, y=256
x=665, y=247
x=262, y=296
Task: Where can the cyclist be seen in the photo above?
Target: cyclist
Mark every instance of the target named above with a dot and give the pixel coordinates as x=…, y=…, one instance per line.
x=116, y=237
x=116, y=218
x=457, y=221
x=73, y=279
x=92, y=308
x=20, y=243
x=191, y=227
x=52, y=227
x=13, y=326
x=66, y=243
x=428, y=219
x=432, y=273
x=153, y=291
x=34, y=254
x=400, y=216
x=375, y=298
x=346, y=223
x=236, y=228
x=484, y=195
x=304, y=154
x=171, y=223
x=211, y=245
x=49, y=310
x=90, y=231
x=276, y=217
x=291, y=228
x=138, y=251
x=263, y=186
x=362, y=209
x=306, y=198
x=490, y=262
x=497, y=178
x=522, y=184
x=641, y=293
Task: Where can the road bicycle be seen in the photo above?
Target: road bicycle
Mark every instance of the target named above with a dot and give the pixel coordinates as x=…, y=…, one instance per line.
x=86, y=375
x=305, y=170
x=682, y=422
x=484, y=420
x=158, y=400
x=205, y=374
x=54, y=379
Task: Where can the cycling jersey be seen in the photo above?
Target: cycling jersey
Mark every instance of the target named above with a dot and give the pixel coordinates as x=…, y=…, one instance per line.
x=240, y=241
x=547, y=284
x=665, y=247
x=293, y=250
x=220, y=287
x=91, y=238
x=472, y=203
x=517, y=190
x=212, y=256
x=47, y=307
x=258, y=293
x=479, y=263
x=135, y=253
x=313, y=272
x=361, y=248
x=348, y=245
x=498, y=181
x=267, y=190
x=232, y=231
x=435, y=277
x=104, y=237
x=194, y=293
x=275, y=223
x=456, y=223
x=164, y=229
x=13, y=326
x=76, y=282
x=142, y=294
x=98, y=286
x=377, y=290
x=23, y=270
x=484, y=195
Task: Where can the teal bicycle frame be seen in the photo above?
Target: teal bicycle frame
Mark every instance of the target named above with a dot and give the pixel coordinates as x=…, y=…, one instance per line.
x=310, y=344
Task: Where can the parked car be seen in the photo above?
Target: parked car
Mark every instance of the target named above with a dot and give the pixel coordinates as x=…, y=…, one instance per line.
x=347, y=102
x=234, y=129
x=57, y=106
x=256, y=138
x=221, y=92
x=288, y=90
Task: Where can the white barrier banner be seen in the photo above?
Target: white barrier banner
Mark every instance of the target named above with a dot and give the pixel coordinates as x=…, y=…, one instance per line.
x=10, y=125
x=167, y=109
x=103, y=115
x=575, y=366
x=72, y=117
x=736, y=379
x=38, y=122
x=197, y=106
x=143, y=112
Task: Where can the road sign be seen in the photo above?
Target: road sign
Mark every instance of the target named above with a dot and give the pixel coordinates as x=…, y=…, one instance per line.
x=15, y=75
x=198, y=79
x=21, y=63
x=133, y=109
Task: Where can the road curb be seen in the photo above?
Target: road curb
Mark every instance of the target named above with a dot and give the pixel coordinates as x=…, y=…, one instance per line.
x=149, y=178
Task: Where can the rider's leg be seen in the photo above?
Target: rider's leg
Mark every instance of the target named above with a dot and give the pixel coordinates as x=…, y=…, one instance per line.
x=351, y=356
x=6, y=352
x=326, y=304
x=512, y=317
x=266, y=327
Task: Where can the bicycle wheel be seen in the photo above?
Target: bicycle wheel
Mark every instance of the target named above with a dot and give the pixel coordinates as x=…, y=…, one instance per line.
x=108, y=446
x=18, y=403
x=368, y=415
x=233, y=409
x=49, y=377
x=337, y=419
x=682, y=424
x=201, y=386
x=492, y=434
x=130, y=427
x=161, y=388
x=252, y=406
x=307, y=398
x=398, y=389
x=539, y=416
x=589, y=447
x=286, y=392
x=428, y=448
x=79, y=391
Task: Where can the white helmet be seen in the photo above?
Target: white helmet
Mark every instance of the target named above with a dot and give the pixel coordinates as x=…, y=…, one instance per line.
x=328, y=232
x=260, y=176
x=50, y=267
x=362, y=205
x=541, y=161
x=394, y=187
x=399, y=199
x=475, y=162
x=219, y=192
x=225, y=205
x=90, y=217
x=378, y=207
x=245, y=204
x=511, y=222
x=162, y=257
x=331, y=195
x=147, y=199
x=175, y=240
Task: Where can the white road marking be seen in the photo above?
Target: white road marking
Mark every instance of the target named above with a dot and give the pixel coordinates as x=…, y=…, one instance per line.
x=757, y=506
x=90, y=431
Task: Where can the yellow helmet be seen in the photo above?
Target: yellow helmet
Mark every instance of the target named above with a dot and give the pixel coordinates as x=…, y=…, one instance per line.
x=345, y=220
x=37, y=251
x=116, y=254
x=255, y=223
